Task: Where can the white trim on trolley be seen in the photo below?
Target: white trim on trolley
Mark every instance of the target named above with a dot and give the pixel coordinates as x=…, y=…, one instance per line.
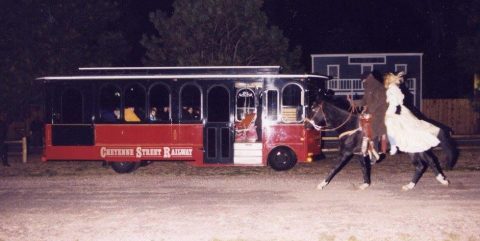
x=193, y=76
x=178, y=67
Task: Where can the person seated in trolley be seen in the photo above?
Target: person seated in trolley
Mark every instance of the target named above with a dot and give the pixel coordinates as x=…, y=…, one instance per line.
x=190, y=114
x=164, y=115
x=110, y=116
x=196, y=114
x=130, y=115
x=116, y=112
x=152, y=116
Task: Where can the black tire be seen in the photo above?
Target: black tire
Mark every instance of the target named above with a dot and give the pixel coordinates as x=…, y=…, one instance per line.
x=282, y=159
x=125, y=167
x=145, y=163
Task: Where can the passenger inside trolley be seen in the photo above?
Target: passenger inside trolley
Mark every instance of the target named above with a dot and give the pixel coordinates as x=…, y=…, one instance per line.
x=130, y=115
x=190, y=114
x=108, y=116
x=152, y=117
x=164, y=115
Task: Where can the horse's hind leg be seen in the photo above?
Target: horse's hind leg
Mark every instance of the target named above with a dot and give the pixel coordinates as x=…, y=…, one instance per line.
x=433, y=163
x=366, y=171
x=343, y=161
x=420, y=167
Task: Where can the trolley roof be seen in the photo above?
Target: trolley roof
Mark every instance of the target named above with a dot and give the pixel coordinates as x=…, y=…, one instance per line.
x=190, y=72
x=273, y=68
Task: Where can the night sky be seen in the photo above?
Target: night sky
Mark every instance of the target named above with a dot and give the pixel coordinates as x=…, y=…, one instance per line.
x=349, y=26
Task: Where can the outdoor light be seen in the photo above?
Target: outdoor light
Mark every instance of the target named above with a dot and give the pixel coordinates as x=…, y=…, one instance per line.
x=309, y=157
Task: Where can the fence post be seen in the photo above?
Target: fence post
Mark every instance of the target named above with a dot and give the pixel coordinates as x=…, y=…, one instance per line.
x=24, y=149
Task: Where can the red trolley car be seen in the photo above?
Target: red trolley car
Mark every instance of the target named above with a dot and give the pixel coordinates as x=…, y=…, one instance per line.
x=246, y=115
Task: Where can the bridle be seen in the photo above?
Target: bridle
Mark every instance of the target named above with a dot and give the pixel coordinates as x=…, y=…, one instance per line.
x=323, y=128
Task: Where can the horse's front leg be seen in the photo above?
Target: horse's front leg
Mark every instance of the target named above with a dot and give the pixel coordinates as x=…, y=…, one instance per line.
x=366, y=171
x=345, y=158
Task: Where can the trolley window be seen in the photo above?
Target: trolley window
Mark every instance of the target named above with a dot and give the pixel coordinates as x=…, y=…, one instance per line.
x=159, y=99
x=72, y=106
x=245, y=103
x=110, y=103
x=292, y=103
x=190, y=103
x=134, y=103
x=272, y=105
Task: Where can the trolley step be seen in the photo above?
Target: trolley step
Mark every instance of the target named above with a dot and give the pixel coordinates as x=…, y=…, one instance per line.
x=247, y=153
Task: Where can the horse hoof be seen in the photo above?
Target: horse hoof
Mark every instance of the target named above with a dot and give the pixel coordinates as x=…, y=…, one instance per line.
x=393, y=150
x=441, y=179
x=408, y=187
x=363, y=186
x=322, y=185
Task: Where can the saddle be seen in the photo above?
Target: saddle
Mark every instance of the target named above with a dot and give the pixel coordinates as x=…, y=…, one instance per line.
x=368, y=146
x=366, y=125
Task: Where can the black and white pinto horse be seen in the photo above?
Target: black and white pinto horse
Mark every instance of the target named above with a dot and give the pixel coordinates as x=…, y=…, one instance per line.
x=327, y=116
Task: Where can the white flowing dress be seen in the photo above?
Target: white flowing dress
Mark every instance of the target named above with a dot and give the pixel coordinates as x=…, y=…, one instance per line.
x=409, y=133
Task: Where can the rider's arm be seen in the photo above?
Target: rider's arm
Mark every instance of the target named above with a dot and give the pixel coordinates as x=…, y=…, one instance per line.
x=394, y=99
x=398, y=109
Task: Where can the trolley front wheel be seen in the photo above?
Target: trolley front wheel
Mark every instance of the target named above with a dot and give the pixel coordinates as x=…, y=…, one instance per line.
x=282, y=158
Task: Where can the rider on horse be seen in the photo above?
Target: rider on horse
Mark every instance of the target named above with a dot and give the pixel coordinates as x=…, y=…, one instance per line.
x=374, y=106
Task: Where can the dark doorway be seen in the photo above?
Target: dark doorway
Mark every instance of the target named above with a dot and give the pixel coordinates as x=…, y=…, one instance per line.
x=218, y=129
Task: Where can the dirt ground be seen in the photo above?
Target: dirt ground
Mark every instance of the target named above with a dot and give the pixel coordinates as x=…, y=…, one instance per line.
x=175, y=201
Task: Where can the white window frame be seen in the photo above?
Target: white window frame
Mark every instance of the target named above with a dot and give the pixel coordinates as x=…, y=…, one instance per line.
x=405, y=66
x=366, y=65
x=277, y=101
x=302, y=103
x=333, y=66
x=253, y=109
x=169, y=98
x=180, y=102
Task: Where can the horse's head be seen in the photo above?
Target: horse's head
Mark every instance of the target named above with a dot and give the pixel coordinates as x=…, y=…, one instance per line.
x=327, y=116
x=316, y=117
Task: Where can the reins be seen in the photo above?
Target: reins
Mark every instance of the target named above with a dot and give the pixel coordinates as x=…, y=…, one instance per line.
x=323, y=128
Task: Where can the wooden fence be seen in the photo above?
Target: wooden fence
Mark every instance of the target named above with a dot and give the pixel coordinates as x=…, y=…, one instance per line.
x=454, y=113
x=23, y=143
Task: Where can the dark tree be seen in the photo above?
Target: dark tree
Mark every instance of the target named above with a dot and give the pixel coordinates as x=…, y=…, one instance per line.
x=218, y=32
x=54, y=37
x=468, y=48
x=468, y=44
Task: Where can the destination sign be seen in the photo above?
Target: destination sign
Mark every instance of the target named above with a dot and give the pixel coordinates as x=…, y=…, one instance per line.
x=140, y=152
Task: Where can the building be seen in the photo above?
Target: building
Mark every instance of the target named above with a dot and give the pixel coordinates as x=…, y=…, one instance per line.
x=346, y=69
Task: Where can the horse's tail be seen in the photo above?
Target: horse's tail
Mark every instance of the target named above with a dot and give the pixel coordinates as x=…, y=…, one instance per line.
x=449, y=149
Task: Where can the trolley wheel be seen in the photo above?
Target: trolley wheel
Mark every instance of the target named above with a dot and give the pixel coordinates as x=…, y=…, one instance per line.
x=125, y=167
x=145, y=163
x=281, y=159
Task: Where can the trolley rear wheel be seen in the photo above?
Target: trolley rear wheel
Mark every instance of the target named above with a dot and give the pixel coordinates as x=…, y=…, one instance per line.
x=125, y=167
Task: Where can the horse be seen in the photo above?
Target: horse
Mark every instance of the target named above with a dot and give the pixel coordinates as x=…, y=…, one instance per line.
x=351, y=139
